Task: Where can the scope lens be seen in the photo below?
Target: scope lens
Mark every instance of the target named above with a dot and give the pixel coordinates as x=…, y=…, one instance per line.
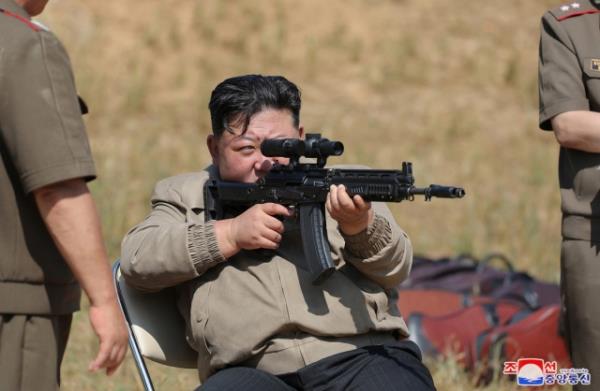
x=323, y=148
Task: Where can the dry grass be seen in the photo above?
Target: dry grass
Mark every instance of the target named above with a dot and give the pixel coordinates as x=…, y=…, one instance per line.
x=450, y=86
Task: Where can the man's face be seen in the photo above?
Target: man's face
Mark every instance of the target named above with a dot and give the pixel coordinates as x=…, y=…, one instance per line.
x=238, y=155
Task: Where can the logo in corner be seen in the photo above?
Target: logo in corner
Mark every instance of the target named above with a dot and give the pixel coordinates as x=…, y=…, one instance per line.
x=532, y=372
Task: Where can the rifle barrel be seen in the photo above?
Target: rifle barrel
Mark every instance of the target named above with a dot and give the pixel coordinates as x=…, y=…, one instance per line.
x=438, y=191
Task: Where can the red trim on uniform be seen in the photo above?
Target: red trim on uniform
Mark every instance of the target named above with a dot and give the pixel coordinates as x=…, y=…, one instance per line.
x=578, y=13
x=28, y=22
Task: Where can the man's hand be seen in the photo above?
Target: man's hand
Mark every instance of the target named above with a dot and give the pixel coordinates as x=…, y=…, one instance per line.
x=352, y=214
x=107, y=322
x=256, y=228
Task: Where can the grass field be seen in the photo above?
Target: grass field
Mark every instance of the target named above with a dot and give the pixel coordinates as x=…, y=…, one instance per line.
x=448, y=85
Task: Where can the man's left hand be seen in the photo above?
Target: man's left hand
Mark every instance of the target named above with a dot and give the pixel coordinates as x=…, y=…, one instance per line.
x=353, y=214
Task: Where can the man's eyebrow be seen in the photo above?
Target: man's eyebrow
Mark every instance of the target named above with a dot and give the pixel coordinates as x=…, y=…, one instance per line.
x=244, y=137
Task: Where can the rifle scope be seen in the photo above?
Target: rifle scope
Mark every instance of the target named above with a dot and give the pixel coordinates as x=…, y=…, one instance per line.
x=286, y=147
x=313, y=147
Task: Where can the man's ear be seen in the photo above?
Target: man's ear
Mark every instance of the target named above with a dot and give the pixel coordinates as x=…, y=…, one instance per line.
x=213, y=147
x=301, y=132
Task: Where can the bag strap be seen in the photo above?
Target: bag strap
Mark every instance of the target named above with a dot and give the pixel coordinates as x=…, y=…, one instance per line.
x=485, y=264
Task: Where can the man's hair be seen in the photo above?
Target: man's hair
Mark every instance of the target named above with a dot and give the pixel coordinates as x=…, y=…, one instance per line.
x=234, y=101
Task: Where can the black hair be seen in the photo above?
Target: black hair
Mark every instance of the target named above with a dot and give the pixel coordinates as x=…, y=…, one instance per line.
x=235, y=100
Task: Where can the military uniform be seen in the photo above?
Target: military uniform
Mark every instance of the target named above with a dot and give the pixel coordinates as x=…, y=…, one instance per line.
x=42, y=141
x=569, y=80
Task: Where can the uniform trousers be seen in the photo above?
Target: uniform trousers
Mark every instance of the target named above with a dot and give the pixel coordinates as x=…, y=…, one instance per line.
x=580, y=290
x=31, y=351
x=379, y=368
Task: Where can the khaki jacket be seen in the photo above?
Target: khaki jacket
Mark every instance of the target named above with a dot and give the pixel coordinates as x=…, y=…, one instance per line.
x=258, y=308
x=42, y=141
x=569, y=80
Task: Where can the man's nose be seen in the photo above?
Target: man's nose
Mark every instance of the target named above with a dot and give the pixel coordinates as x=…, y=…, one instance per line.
x=264, y=163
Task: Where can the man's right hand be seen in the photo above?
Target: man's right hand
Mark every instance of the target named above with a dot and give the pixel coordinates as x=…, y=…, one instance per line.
x=256, y=228
x=109, y=325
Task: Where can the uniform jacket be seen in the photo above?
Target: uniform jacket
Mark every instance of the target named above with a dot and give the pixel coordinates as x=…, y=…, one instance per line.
x=42, y=141
x=569, y=80
x=258, y=308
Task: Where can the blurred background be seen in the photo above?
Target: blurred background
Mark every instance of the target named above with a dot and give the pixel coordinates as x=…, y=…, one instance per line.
x=448, y=85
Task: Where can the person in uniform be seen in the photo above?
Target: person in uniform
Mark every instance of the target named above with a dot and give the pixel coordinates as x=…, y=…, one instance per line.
x=255, y=318
x=569, y=90
x=50, y=239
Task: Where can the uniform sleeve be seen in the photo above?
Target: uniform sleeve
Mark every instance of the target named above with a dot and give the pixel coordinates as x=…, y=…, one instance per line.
x=561, y=86
x=42, y=128
x=166, y=249
x=382, y=252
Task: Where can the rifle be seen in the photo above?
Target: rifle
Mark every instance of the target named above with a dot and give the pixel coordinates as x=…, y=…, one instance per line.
x=305, y=187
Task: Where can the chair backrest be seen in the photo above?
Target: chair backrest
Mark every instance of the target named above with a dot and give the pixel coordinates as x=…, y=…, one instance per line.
x=156, y=329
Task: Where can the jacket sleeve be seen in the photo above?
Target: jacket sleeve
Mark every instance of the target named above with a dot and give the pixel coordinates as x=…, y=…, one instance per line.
x=561, y=86
x=169, y=247
x=42, y=133
x=382, y=252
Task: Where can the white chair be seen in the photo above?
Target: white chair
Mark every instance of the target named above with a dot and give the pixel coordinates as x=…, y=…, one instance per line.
x=156, y=329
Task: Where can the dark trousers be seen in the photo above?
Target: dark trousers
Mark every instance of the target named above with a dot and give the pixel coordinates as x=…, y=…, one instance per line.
x=580, y=288
x=379, y=368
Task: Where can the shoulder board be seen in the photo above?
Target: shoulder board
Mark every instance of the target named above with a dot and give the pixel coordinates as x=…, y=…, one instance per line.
x=26, y=21
x=573, y=9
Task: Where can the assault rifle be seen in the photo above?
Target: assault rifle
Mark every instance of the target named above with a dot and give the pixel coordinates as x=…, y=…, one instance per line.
x=305, y=186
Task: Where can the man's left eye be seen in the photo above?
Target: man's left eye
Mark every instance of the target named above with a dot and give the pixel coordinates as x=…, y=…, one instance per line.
x=247, y=148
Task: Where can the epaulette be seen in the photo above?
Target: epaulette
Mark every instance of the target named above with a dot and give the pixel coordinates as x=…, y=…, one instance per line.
x=28, y=22
x=573, y=9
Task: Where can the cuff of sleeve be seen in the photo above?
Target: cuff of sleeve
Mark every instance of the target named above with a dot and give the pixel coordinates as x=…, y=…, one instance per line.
x=369, y=242
x=203, y=247
x=53, y=174
x=561, y=106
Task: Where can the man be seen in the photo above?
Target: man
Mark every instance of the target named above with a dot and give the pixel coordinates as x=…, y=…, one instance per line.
x=50, y=235
x=569, y=86
x=255, y=318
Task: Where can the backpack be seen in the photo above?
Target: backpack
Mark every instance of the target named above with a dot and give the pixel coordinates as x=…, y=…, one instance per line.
x=469, y=309
x=457, y=333
x=478, y=280
x=534, y=334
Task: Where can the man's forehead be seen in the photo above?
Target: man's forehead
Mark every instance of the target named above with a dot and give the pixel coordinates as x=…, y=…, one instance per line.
x=276, y=121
